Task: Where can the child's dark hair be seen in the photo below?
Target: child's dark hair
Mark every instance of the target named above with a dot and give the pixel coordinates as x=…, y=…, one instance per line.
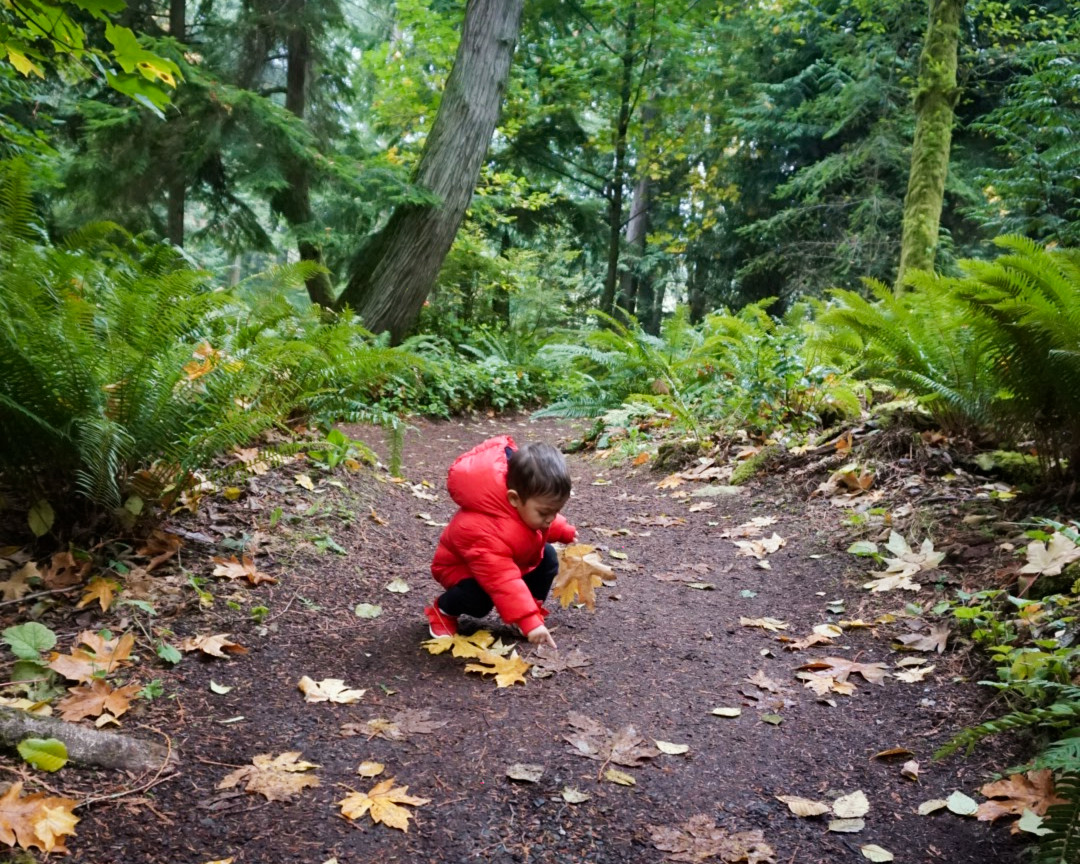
x=538, y=470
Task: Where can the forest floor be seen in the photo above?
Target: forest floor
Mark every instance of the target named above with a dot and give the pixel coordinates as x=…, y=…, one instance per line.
x=664, y=648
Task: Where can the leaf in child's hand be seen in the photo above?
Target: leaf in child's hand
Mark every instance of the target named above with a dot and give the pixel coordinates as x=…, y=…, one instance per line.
x=580, y=573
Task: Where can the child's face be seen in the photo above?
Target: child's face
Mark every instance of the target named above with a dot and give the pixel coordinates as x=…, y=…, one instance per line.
x=537, y=512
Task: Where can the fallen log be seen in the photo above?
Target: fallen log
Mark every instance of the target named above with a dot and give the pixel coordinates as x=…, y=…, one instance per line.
x=85, y=746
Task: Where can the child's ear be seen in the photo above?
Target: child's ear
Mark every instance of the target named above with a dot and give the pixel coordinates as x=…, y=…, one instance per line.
x=513, y=497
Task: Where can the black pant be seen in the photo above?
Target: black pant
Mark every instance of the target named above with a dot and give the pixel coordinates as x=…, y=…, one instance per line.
x=468, y=598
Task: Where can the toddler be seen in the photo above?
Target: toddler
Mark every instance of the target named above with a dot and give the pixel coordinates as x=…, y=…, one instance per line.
x=495, y=551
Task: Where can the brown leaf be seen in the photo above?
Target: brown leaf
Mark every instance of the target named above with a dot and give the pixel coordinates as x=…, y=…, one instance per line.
x=35, y=820
x=772, y=624
x=276, y=778
x=661, y=521
x=841, y=668
x=1017, y=793
x=64, y=571
x=806, y=642
x=216, y=645
x=593, y=740
x=397, y=728
x=933, y=641
x=101, y=589
x=760, y=679
x=383, y=802
x=17, y=585
x=548, y=661
x=699, y=839
x=581, y=572
x=93, y=656
x=159, y=547
x=95, y=698
x=232, y=569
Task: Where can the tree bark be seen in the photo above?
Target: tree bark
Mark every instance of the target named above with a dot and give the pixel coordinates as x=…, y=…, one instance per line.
x=394, y=272
x=85, y=745
x=294, y=202
x=618, y=174
x=177, y=192
x=934, y=102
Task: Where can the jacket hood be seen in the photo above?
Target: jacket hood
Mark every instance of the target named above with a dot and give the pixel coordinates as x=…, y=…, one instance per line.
x=477, y=479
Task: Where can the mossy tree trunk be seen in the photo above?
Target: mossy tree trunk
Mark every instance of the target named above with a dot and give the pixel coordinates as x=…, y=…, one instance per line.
x=394, y=273
x=935, y=99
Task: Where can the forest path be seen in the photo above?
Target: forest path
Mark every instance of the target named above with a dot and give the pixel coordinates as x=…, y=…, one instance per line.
x=663, y=655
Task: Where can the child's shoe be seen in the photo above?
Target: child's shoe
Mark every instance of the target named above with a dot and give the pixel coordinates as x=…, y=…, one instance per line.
x=439, y=623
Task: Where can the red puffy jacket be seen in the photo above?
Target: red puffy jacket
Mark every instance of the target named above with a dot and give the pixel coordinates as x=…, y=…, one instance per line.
x=487, y=540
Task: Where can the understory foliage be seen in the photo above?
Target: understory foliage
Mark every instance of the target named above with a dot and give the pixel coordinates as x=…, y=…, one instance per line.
x=994, y=351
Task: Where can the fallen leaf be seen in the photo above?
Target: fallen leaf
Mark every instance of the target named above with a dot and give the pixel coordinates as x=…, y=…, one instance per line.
x=593, y=740
x=661, y=521
x=932, y=806
x=35, y=820
x=276, y=778
x=93, y=656
x=700, y=839
x=220, y=689
x=383, y=803
x=671, y=749
x=328, y=690
x=101, y=589
x=841, y=668
x=892, y=582
x=760, y=548
x=215, y=645
x=17, y=585
x=772, y=719
x=760, y=679
x=750, y=529
x=772, y=624
x=1018, y=792
x=806, y=642
x=670, y=482
x=376, y=518
x=398, y=585
x=304, y=481
x=573, y=796
x=231, y=568
x=96, y=697
x=397, y=728
x=961, y=804
x=1049, y=559
x=581, y=572
x=367, y=610
x=727, y=712
x=159, y=547
x=914, y=676
x=370, y=769
x=933, y=641
x=892, y=753
x=846, y=826
x=507, y=670
x=547, y=661
x=851, y=806
x=614, y=775
x=803, y=807
x=460, y=646
x=823, y=684
x=910, y=770
x=526, y=773
x=1032, y=823
x=701, y=506
x=829, y=631
x=873, y=852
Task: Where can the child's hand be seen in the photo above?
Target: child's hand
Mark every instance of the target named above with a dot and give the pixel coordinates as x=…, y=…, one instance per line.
x=541, y=636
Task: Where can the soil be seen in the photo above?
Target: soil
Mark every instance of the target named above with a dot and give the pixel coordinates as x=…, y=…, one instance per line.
x=663, y=655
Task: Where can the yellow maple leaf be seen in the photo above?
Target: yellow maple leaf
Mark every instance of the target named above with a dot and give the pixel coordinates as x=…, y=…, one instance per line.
x=277, y=778
x=96, y=697
x=507, y=670
x=460, y=646
x=101, y=589
x=55, y=821
x=383, y=803
x=18, y=585
x=328, y=690
x=215, y=646
x=581, y=572
x=772, y=624
x=35, y=819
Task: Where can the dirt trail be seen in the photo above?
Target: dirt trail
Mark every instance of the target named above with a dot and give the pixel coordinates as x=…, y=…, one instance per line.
x=663, y=656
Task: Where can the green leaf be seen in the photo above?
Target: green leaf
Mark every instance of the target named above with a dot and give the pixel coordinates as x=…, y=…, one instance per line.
x=29, y=670
x=28, y=640
x=863, y=548
x=1032, y=823
x=41, y=518
x=45, y=754
x=169, y=653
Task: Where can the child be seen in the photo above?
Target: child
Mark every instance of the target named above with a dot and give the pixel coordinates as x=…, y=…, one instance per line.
x=495, y=551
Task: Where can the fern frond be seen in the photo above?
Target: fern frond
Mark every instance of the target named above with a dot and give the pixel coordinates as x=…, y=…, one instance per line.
x=1062, y=845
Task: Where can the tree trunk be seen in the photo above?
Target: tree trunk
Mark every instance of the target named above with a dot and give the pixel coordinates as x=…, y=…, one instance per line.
x=294, y=202
x=85, y=745
x=696, y=291
x=393, y=274
x=631, y=279
x=500, y=299
x=618, y=174
x=934, y=102
x=177, y=193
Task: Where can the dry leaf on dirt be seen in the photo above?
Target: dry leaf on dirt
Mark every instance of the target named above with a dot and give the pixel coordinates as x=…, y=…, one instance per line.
x=507, y=670
x=215, y=645
x=846, y=826
x=760, y=679
x=93, y=656
x=159, y=548
x=396, y=728
x=460, y=646
x=875, y=853
x=370, y=769
x=670, y=748
x=101, y=589
x=661, y=521
x=914, y=676
x=752, y=528
x=851, y=806
x=35, y=820
x=841, y=668
x=64, y=570
x=823, y=684
x=547, y=661
x=700, y=839
x=525, y=772
x=772, y=624
x=328, y=690
x=614, y=775
x=1049, y=559
x=760, y=548
x=17, y=585
x=910, y=770
x=803, y=807
x=96, y=697
x=806, y=642
x=935, y=640
x=383, y=802
x=581, y=572
x=230, y=568
x=684, y=573
x=276, y=778
x=670, y=482
x=961, y=804
x=1019, y=792
x=593, y=740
